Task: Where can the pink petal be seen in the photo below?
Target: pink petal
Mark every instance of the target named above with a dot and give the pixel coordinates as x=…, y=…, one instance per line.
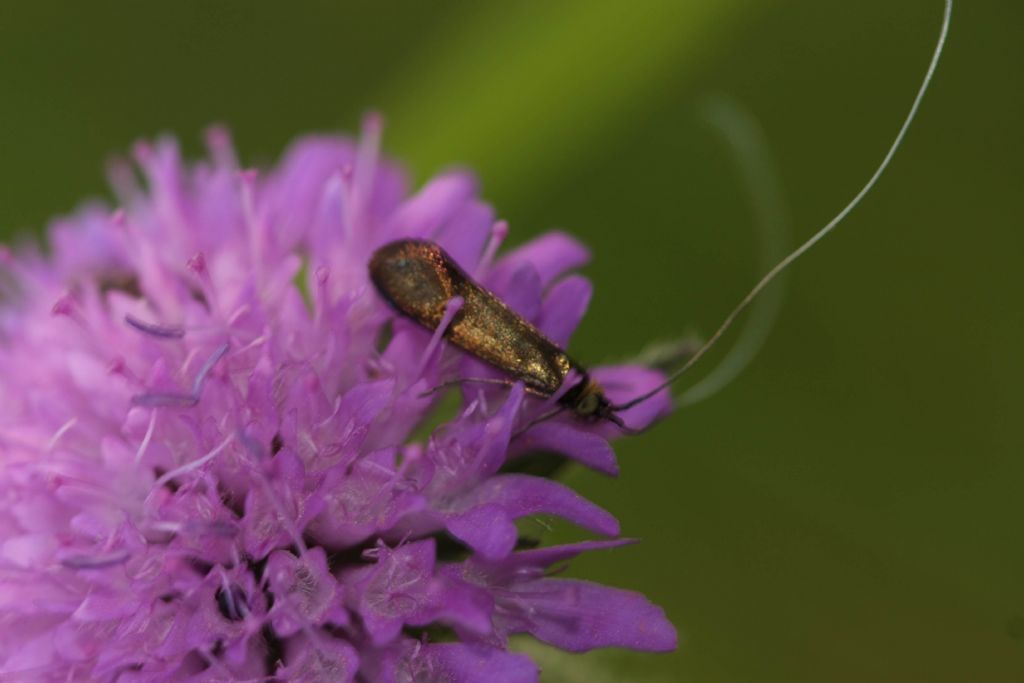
x=578, y=616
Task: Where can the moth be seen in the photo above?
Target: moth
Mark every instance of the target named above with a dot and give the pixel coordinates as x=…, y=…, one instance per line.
x=421, y=281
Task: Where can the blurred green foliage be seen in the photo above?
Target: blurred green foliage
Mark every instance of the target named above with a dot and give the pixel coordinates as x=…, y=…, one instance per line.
x=850, y=508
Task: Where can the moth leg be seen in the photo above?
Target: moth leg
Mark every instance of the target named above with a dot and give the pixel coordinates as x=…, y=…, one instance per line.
x=617, y=421
x=483, y=380
x=544, y=417
x=468, y=380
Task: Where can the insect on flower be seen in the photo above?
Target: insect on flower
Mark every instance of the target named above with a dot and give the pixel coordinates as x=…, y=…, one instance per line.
x=424, y=283
x=421, y=280
x=210, y=461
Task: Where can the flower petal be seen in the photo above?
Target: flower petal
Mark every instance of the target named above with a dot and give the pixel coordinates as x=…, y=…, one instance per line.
x=622, y=383
x=487, y=529
x=563, y=308
x=359, y=500
x=551, y=254
x=325, y=659
x=578, y=616
x=466, y=233
x=304, y=589
x=428, y=210
x=521, y=291
x=572, y=439
x=521, y=495
x=396, y=590
x=461, y=663
x=414, y=662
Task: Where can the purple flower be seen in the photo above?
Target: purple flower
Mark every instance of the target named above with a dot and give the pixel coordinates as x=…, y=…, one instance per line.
x=207, y=466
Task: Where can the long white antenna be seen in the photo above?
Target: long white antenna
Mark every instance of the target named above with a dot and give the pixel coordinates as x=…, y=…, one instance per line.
x=816, y=237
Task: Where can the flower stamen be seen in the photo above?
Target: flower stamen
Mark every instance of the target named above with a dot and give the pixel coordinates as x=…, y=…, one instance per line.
x=164, y=400
x=197, y=385
x=144, y=445
x=188, y=467
x=499, y=231
x=64, y=428
x=155, y=330
x=101, y=561
x=450, y=310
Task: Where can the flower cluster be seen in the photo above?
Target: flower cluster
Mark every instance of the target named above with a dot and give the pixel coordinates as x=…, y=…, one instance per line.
x=209, y=468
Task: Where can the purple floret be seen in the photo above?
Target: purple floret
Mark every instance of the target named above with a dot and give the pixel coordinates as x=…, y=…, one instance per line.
x=208, y=461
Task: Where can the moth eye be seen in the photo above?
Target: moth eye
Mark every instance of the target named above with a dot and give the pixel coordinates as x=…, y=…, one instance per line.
x=588, y=406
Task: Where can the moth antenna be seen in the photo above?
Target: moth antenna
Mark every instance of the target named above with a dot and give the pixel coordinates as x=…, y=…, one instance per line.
x=816, y=237
x=623, y=427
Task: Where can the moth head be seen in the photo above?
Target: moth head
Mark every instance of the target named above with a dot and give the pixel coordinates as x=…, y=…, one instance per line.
x=591, y=403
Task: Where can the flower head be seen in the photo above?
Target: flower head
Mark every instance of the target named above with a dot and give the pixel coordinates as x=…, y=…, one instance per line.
x=207, y=463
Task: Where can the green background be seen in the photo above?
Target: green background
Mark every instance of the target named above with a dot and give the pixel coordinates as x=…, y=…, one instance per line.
x=850, y=508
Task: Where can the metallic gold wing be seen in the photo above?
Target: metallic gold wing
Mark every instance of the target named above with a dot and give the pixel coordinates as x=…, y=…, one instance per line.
x=419, y=279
